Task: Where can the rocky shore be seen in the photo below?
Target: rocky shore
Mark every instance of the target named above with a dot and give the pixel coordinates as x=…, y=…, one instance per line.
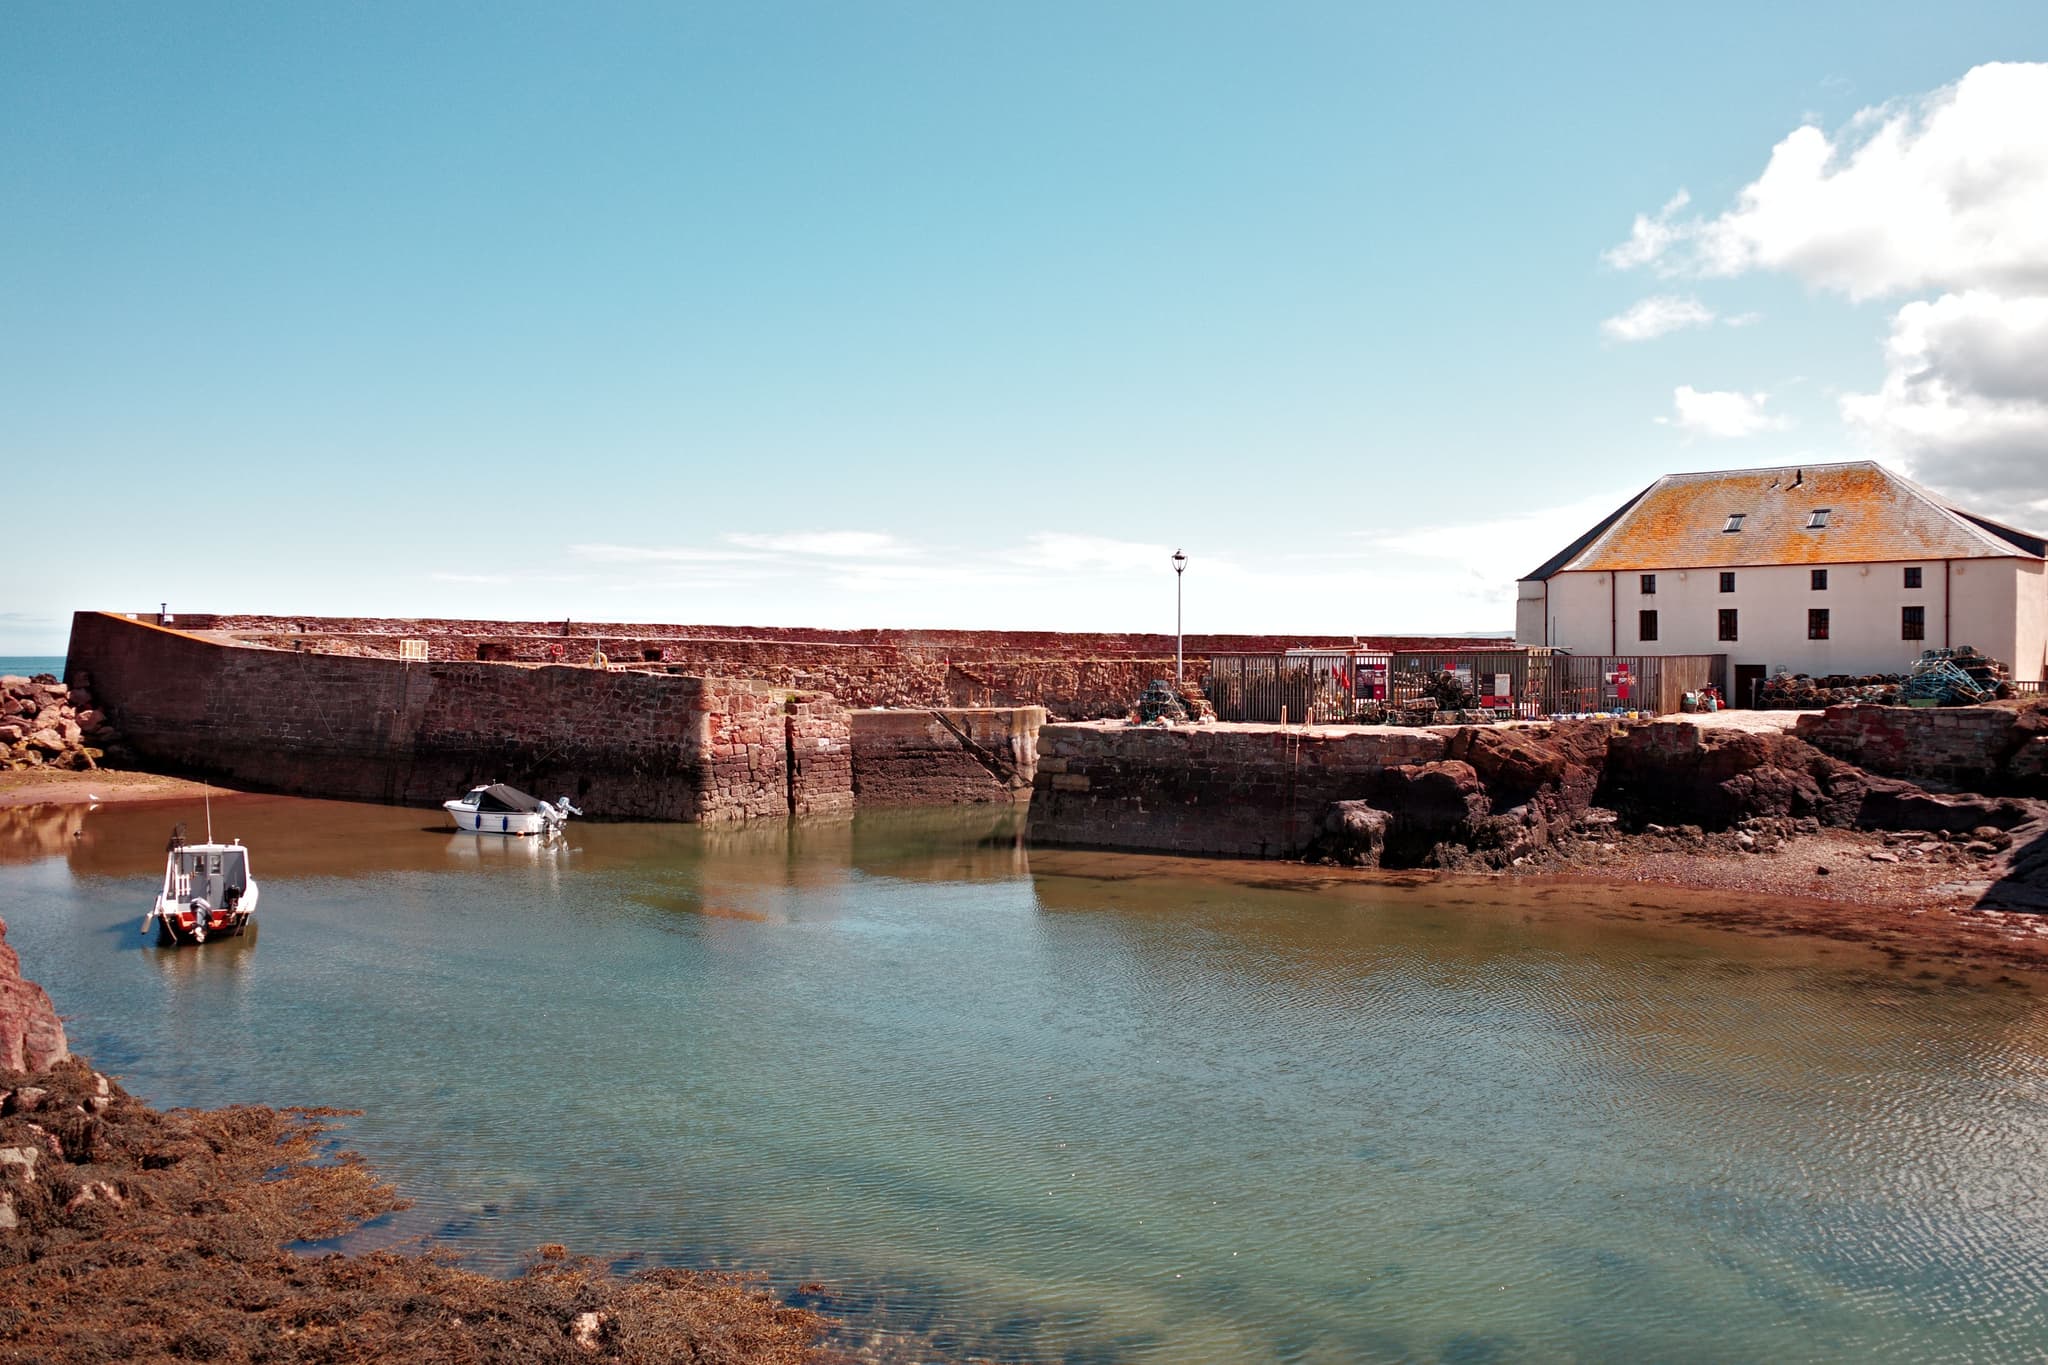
x=132, y=1234
x=44, y=724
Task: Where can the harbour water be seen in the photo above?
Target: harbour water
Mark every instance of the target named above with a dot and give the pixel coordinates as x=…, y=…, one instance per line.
x=1084, y=1107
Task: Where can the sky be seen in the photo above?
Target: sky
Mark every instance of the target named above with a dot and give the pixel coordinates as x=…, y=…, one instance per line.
x=923, y=314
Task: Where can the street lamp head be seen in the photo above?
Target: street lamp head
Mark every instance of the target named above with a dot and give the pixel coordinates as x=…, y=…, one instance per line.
x=1180, y=562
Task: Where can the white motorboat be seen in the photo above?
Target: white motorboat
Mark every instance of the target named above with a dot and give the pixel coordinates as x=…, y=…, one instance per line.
x=499, y=809
x=207, y=893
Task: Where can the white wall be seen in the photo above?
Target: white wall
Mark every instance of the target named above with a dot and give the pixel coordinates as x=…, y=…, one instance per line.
x=2030, y=653
x=1998, y=605
x=1529, y=621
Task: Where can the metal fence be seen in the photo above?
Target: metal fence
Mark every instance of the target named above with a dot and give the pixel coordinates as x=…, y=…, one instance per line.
x=1325, y=687
x=1305, y=686
x=1656, y=683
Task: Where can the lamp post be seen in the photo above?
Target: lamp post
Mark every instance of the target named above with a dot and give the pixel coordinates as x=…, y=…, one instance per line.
x=1180, y=566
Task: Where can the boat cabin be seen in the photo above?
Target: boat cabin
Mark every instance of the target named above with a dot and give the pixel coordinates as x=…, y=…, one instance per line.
x=215, y=873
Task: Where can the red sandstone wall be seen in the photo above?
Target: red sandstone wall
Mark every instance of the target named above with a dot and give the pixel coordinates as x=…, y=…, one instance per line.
x=1977, y=748
x=622, y=745
x=821, y=751
x=1074, y=676
x=940, y=644
x=945, y=756
x=1206, y=789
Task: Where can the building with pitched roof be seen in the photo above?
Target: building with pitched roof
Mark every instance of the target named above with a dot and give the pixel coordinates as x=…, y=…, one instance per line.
x=1837, y=568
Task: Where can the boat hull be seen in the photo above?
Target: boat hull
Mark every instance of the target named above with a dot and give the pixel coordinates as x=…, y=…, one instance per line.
x=178, y=924
x=472, y=821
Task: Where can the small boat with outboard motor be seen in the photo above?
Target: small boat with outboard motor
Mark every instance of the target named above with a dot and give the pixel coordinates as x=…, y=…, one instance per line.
x=207, y=892
x=499, y=809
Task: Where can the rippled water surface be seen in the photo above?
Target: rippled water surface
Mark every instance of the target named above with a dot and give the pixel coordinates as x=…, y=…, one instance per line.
x=1096, y=1108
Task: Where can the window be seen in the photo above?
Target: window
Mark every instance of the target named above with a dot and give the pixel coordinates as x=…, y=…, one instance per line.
x=1913, y=577
x=1817, y=518
x=1735, y=521
x=1649, y=585
x=1912, y=623
x=1817, y=623
x=1646, y=625
x=1727, y=582
x=1728, y=623
x=1820, y=580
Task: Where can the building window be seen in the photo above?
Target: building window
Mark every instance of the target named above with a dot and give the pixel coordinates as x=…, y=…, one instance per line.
x=1913, y=577
x=1728, y=623
x=1817, y=623
x=1646, y=625
x=1913, y=623
x=1820, y=580
x=1735, y=521
x=1817, y=518
x=1649, y=585
x=1727, y=582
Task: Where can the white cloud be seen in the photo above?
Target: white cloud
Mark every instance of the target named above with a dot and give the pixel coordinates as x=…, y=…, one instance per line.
x=1490, y=554
x=646, y=554
x=1946, y=190
x=1657, y=315
x=828, y=544
x=1065, y=551
x=1943, y=194
x=1964, y=400
x=1651, y=238
x=1722, y=414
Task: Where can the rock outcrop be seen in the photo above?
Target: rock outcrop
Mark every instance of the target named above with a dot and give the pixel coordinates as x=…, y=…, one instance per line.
x=31, y=1035
x=1501, y=793
x=44, y=724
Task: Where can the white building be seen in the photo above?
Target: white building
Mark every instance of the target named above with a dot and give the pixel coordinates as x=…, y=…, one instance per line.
x=1840, y=568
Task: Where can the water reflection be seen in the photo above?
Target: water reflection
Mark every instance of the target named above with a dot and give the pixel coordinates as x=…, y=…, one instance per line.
x=1081, y=1106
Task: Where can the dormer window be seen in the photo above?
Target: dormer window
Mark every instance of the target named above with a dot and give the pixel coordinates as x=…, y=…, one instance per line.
x=1817, y=518
x=1734, y=521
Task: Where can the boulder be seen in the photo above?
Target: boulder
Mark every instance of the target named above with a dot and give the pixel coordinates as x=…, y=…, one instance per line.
x=48, y=740
x=1890, y=803
x=1439, y=799
x=1677, y=772
x=1353, y=833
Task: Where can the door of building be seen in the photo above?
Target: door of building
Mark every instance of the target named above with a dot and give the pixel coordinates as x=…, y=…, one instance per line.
x=1748, y=677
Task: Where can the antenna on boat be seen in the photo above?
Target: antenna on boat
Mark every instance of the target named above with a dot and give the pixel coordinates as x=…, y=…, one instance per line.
x=208, y=790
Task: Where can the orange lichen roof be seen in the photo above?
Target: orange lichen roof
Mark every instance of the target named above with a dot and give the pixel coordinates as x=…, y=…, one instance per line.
x=1873, y=516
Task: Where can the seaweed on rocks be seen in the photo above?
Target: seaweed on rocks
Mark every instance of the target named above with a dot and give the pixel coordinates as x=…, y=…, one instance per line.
x=132, y=1234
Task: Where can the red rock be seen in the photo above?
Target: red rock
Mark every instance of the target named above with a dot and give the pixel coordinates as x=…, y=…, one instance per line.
x=31, y=1035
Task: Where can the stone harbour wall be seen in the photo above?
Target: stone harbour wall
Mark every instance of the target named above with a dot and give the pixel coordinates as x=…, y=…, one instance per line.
x=1075, y=676
x=621, y=745
x=1235, y=790
x=945, y=756
x=1978, y=748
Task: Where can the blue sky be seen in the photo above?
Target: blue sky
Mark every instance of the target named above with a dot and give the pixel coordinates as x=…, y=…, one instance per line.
x=966, y=315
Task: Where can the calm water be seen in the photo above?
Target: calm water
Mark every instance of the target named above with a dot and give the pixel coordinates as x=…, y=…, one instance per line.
x=28, y=665
x=1096, y=1108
